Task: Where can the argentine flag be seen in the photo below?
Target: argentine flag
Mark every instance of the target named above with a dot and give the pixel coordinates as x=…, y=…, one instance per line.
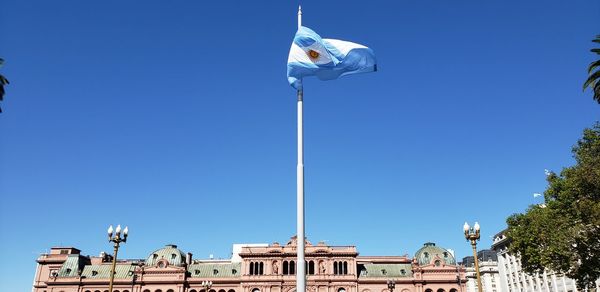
x=310, y=55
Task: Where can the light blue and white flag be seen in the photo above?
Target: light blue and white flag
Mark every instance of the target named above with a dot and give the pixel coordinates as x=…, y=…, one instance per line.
x=327, y=59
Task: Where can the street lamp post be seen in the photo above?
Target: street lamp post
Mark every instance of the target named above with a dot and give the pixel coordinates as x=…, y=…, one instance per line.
x=391, y=285
x=472, y=235
x=206, y=285
x=116, y=239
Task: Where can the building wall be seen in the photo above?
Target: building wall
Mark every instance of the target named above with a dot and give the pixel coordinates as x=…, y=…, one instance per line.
x=257, y=268
x=490, y=277
x=513, y=278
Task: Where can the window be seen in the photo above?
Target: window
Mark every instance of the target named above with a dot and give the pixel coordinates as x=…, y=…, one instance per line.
x=383, y=271
x=340, y=268
x=285, y=268
x=94, y=273
x=256, y=268
x=255, y=290
x=64, y=251
x=193, y=290
x=311, y=268
x=215, y=271
x=341, y=290
x=68, y=271
x=170, y=290
x=197, y=272
x=233, y=271
x=292, y=268
x=440, y=290
x=154, y=256
x=403, y=272
x=173, y=256
x=437, y=264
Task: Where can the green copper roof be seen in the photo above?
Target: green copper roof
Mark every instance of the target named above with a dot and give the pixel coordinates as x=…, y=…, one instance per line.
x=385, y=270
x=71, y=266
x=215, y=270
x=170, y=252
x=122, y=271
x=429, y=252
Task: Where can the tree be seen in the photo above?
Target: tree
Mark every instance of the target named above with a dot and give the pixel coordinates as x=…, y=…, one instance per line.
x=563, y=234
x=593, y=80
x=3, y=81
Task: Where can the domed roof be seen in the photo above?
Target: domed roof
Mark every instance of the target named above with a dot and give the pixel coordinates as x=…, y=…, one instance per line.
x=429, y=252
x=170, y=253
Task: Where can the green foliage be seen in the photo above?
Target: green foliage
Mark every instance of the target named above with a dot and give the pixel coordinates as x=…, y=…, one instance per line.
x=593, y=80
x=563, y=234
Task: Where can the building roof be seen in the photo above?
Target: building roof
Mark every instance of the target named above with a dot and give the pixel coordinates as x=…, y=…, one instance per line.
x=385, y=270
x=170, y=252
x=71, y=266
x=429, y=252
x=215, y=270
x=102, y=271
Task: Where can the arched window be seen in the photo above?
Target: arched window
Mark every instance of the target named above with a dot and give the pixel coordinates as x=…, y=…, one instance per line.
x=211, y=290
x=117, y=291
x=170, y=290
x=311, y=268
x=144, y=290
x=231, y=290
x=428, y=290
x=341, y=290
x=441, y=290
x=251, y=268
x=335, y=268
x=340, y=268
x=125, y=290
x=157, y=290
x=292, y=268
x=222, y=290
x=255, y=290
x=345, y=268
x=285, y=268
x=454, y=290
x=260, y=268
x=193, y=290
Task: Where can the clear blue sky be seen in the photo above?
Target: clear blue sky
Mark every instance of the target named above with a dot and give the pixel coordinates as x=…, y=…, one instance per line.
x=177, y=120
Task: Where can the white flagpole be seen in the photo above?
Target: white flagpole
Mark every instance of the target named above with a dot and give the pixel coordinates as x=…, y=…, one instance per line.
x=301, y=271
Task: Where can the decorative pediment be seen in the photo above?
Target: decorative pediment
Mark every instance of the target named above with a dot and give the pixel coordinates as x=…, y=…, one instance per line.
x=294, y=241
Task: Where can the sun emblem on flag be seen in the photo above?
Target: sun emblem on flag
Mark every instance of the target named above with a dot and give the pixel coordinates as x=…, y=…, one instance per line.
x=313, y=54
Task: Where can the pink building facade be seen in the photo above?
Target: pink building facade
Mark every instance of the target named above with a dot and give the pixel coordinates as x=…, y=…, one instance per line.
x=268, y=268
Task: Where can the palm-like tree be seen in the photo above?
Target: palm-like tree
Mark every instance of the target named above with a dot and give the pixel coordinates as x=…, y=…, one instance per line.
x=3, y=81
x=593, y=80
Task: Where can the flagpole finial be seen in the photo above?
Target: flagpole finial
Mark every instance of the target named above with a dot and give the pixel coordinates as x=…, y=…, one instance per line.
x=299, y=16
